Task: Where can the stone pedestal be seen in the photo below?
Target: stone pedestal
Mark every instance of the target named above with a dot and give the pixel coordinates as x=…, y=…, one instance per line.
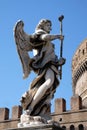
x=39, y=127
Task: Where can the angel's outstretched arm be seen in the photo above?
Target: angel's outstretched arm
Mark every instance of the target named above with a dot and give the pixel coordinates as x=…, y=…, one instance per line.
x=49, y=37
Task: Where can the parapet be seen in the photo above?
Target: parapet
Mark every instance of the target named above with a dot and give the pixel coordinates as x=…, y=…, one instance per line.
x=65, y=117
x=10, y=122
x=73, y=118
x=60, y=104
x=16, y=112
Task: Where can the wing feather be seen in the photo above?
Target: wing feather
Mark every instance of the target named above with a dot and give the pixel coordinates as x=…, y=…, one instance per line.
x=22, y=41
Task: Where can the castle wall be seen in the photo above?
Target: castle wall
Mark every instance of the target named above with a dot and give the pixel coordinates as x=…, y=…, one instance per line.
x=76, y=117
x=81, y=88
x=79, y=72
x=5, y=121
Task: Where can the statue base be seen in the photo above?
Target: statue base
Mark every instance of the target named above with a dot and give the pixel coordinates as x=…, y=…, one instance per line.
x=27, y=121
x=40, y=127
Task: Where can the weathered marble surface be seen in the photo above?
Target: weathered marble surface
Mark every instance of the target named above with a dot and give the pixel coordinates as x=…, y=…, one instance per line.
x=40, y=127
x=45, y=63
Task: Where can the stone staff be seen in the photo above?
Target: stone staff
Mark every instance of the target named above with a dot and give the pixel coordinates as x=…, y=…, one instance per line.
x=61, y=44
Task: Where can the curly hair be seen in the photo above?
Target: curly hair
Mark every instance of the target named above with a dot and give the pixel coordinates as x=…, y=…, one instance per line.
x=42, y=23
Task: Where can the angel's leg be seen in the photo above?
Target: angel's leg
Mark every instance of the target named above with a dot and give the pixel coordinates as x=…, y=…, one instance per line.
x=49, y=79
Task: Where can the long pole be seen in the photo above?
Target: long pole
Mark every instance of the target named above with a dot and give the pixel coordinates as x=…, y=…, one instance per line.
x=61, y=43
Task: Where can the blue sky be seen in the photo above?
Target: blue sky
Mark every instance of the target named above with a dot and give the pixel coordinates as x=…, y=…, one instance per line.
x=12, y=85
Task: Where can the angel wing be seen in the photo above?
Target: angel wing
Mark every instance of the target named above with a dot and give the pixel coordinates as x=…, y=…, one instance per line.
x=23, y=46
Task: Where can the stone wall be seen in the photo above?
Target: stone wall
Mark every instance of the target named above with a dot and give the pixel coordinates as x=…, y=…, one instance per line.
x=74, y=119
x=79, y=72
x=5, y=121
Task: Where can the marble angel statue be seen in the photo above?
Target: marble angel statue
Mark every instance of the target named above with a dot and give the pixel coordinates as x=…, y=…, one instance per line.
x=45, y=63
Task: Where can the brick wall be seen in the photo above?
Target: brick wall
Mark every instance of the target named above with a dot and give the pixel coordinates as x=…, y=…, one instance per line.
x=76, y=117
x=5, y=121
x=68, y=119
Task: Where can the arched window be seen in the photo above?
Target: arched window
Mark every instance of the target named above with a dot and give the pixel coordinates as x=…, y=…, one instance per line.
x=86, y=46
x=83, y=51
x=80, y=127
x=64, y=128
x=72, y=127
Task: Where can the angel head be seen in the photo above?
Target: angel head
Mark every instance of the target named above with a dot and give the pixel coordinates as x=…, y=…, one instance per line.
x=45, y=25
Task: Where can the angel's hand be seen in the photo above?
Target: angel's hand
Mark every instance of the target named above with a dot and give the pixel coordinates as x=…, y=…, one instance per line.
x=61, y=37
x=61, y=61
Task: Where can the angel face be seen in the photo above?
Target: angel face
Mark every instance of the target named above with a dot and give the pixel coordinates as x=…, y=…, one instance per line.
x=47, y=27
